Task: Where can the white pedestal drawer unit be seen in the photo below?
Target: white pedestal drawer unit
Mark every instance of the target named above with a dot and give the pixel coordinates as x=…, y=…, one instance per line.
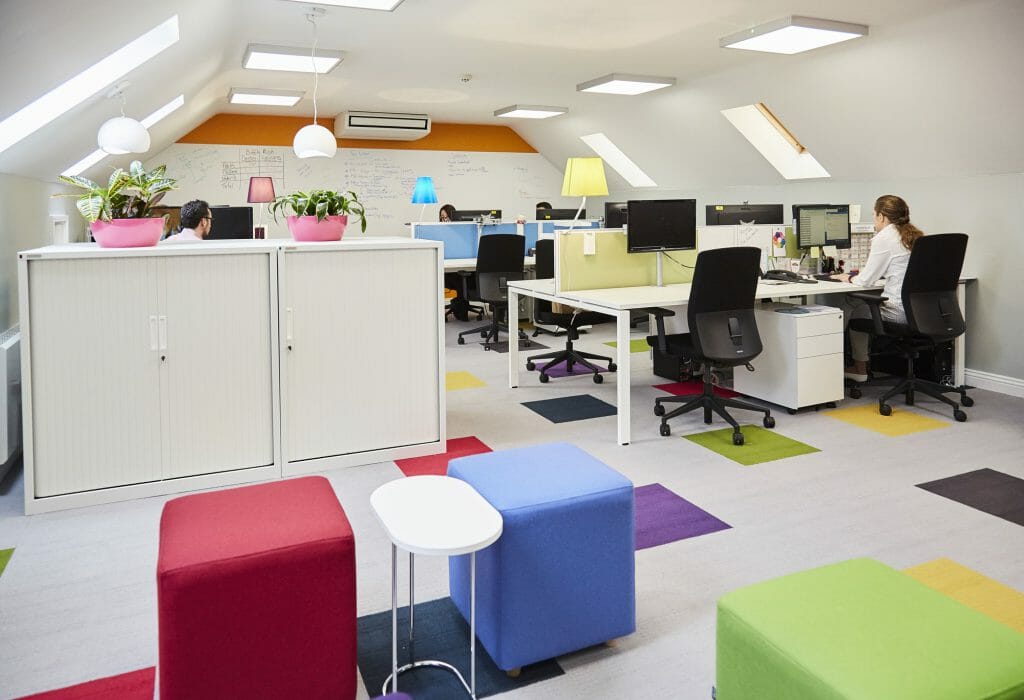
x=802, y=361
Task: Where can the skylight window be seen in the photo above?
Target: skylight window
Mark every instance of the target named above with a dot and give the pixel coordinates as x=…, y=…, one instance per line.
x=72, y=93
x=775, y=142
x=99, y=154
x=620, y=162
x=386, y=5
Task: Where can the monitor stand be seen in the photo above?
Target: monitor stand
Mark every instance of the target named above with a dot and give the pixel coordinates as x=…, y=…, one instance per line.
x=661, y=277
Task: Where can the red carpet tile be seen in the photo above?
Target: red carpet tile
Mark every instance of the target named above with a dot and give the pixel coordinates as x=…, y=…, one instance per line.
x=438, y=464
x=693, y=386
x=136, y=685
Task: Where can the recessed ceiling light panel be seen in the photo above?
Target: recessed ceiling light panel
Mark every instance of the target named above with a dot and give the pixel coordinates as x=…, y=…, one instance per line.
x=386, y=5
x=623, y=84
x=794, y=34
x=298, y=60
x=258, y=96
x=529, y=111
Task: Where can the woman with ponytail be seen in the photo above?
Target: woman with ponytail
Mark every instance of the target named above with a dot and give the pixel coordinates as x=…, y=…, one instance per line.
x=890, y=252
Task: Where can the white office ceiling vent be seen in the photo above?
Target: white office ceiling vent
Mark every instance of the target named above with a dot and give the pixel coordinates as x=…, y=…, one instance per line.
x=381, y=125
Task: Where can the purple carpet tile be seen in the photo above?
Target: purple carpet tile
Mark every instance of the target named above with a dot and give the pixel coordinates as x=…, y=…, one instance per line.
x=663, y=517
x=560, y=369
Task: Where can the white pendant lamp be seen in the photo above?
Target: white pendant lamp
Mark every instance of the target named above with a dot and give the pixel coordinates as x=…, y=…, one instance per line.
x=314, y=140
x=122, y=134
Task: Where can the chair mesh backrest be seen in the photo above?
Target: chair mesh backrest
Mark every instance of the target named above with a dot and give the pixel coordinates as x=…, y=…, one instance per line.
x=929, y=286
x=501, y=252
x=721, y=305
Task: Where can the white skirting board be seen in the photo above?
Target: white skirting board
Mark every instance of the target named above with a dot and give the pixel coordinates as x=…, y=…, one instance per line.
x=1012, y=386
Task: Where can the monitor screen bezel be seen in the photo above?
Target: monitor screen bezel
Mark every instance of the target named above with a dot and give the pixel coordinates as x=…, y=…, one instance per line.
x=689, y=244
x=562, y=214
x=619, y=209
x=464, y=215
x=712, y=210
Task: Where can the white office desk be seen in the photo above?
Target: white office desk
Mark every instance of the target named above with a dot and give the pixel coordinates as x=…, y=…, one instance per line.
x=455, y=264
x=619, y=301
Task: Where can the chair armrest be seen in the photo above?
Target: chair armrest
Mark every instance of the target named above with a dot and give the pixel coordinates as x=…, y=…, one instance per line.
x=874, y=302
x=659, y=318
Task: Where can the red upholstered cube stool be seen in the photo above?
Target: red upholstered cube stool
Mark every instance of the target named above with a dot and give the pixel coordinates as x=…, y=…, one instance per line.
x=256, y=590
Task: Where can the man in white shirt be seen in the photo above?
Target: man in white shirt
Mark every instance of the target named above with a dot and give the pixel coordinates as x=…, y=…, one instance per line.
x=196, y=222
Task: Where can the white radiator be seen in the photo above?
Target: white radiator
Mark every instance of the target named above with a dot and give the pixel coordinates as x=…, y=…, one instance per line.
x=10, y=398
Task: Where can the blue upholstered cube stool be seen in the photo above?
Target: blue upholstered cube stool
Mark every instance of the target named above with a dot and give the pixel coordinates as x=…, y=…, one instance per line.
x=561, y=576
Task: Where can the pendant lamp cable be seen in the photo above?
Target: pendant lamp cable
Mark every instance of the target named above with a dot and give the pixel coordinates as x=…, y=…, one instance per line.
x=312, y=57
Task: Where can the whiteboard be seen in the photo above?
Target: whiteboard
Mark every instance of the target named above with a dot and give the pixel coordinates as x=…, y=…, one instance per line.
x=383, y=179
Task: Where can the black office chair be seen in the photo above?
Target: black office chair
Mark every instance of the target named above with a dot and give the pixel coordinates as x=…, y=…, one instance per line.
x=570, y=322
x=933, y=318
x=459, y=307
x=723, y=333
x=499, y=260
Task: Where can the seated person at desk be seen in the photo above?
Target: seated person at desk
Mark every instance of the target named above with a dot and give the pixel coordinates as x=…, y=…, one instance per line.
x=446, y=214
x=196, y=222
x=888, y=258
x=543, y=205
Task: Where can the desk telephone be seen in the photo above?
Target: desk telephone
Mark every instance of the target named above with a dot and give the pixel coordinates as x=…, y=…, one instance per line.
x=783, y=276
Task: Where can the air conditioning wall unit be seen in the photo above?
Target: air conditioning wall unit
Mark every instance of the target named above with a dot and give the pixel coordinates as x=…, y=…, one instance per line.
x=381, y=125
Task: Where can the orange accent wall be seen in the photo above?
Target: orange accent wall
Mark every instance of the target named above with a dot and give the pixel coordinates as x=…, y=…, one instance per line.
x=261, y=130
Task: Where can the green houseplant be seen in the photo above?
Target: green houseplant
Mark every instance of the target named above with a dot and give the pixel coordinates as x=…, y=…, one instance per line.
x=319, y=215
x=119, y=214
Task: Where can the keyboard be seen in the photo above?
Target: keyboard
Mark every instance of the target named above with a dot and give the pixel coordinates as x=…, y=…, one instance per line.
x=826, y=277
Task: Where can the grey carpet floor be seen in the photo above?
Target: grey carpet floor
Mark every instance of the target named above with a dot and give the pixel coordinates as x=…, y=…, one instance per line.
x=78, y=601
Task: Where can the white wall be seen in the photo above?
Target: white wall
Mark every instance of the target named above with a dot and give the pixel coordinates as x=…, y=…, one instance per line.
x=25, y=208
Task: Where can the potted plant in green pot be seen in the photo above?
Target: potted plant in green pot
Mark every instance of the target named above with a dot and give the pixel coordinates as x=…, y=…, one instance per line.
x=118, y=214
x=319, y=215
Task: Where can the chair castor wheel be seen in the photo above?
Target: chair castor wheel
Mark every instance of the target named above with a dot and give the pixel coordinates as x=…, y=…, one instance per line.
x=612, y=367
x=737, y=439
x=959, y=415
x=544, y=378
x=665, y=430
x=530, y=366
x=855, y=392
x=598, y=378
x=461, y=340
x=483, y=334
x=768, y=422
x=659, y=410
x=885, y=409
x=966, y=401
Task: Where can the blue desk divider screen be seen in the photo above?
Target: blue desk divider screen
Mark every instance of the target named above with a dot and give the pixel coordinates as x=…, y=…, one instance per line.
x=486, y=229
x=460, y=239
x=550, y=226
x=530, y=231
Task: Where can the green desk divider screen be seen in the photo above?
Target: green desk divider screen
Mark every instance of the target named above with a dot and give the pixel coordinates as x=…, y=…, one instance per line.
x=612, y=266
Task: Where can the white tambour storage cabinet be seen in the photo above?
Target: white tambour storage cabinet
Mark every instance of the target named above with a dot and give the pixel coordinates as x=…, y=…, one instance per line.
x=157, y=370
x=802, y=361
x=362, y=352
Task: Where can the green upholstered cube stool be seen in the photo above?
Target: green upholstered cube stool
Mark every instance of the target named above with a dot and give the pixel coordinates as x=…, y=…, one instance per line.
x=860, y=630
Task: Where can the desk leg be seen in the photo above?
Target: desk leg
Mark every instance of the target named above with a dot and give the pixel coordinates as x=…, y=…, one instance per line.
x=623, y=381
x=959, y=343
x=472, y=624
x=513, y=341
x=412, y=589
x=394, y=619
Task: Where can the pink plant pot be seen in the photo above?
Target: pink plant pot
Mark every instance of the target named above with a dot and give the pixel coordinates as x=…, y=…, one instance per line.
x=128, y=233
x=307, y=228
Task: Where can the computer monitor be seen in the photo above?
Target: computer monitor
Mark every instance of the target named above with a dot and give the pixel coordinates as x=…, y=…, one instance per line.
x=735, y=214
x=661, y=224
x=477, y=214
x=822, y=224
x=230, y=222
x=559, y=214
x=614, y=214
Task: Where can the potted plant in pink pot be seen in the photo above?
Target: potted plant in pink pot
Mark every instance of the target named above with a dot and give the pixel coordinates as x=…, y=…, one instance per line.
x=319, y=215
x=119, y=214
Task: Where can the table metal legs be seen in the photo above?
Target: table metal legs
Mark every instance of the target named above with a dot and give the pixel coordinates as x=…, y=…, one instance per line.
x=395, y=670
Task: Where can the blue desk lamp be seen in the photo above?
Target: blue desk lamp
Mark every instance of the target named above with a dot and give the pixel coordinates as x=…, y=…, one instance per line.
x=424, y=193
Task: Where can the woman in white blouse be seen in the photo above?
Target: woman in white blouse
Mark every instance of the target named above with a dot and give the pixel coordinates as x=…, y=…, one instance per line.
x=890, y=252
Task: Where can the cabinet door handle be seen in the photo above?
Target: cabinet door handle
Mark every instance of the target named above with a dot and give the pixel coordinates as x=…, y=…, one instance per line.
x=152, y=333
x=163, y=332
x=288, y=327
